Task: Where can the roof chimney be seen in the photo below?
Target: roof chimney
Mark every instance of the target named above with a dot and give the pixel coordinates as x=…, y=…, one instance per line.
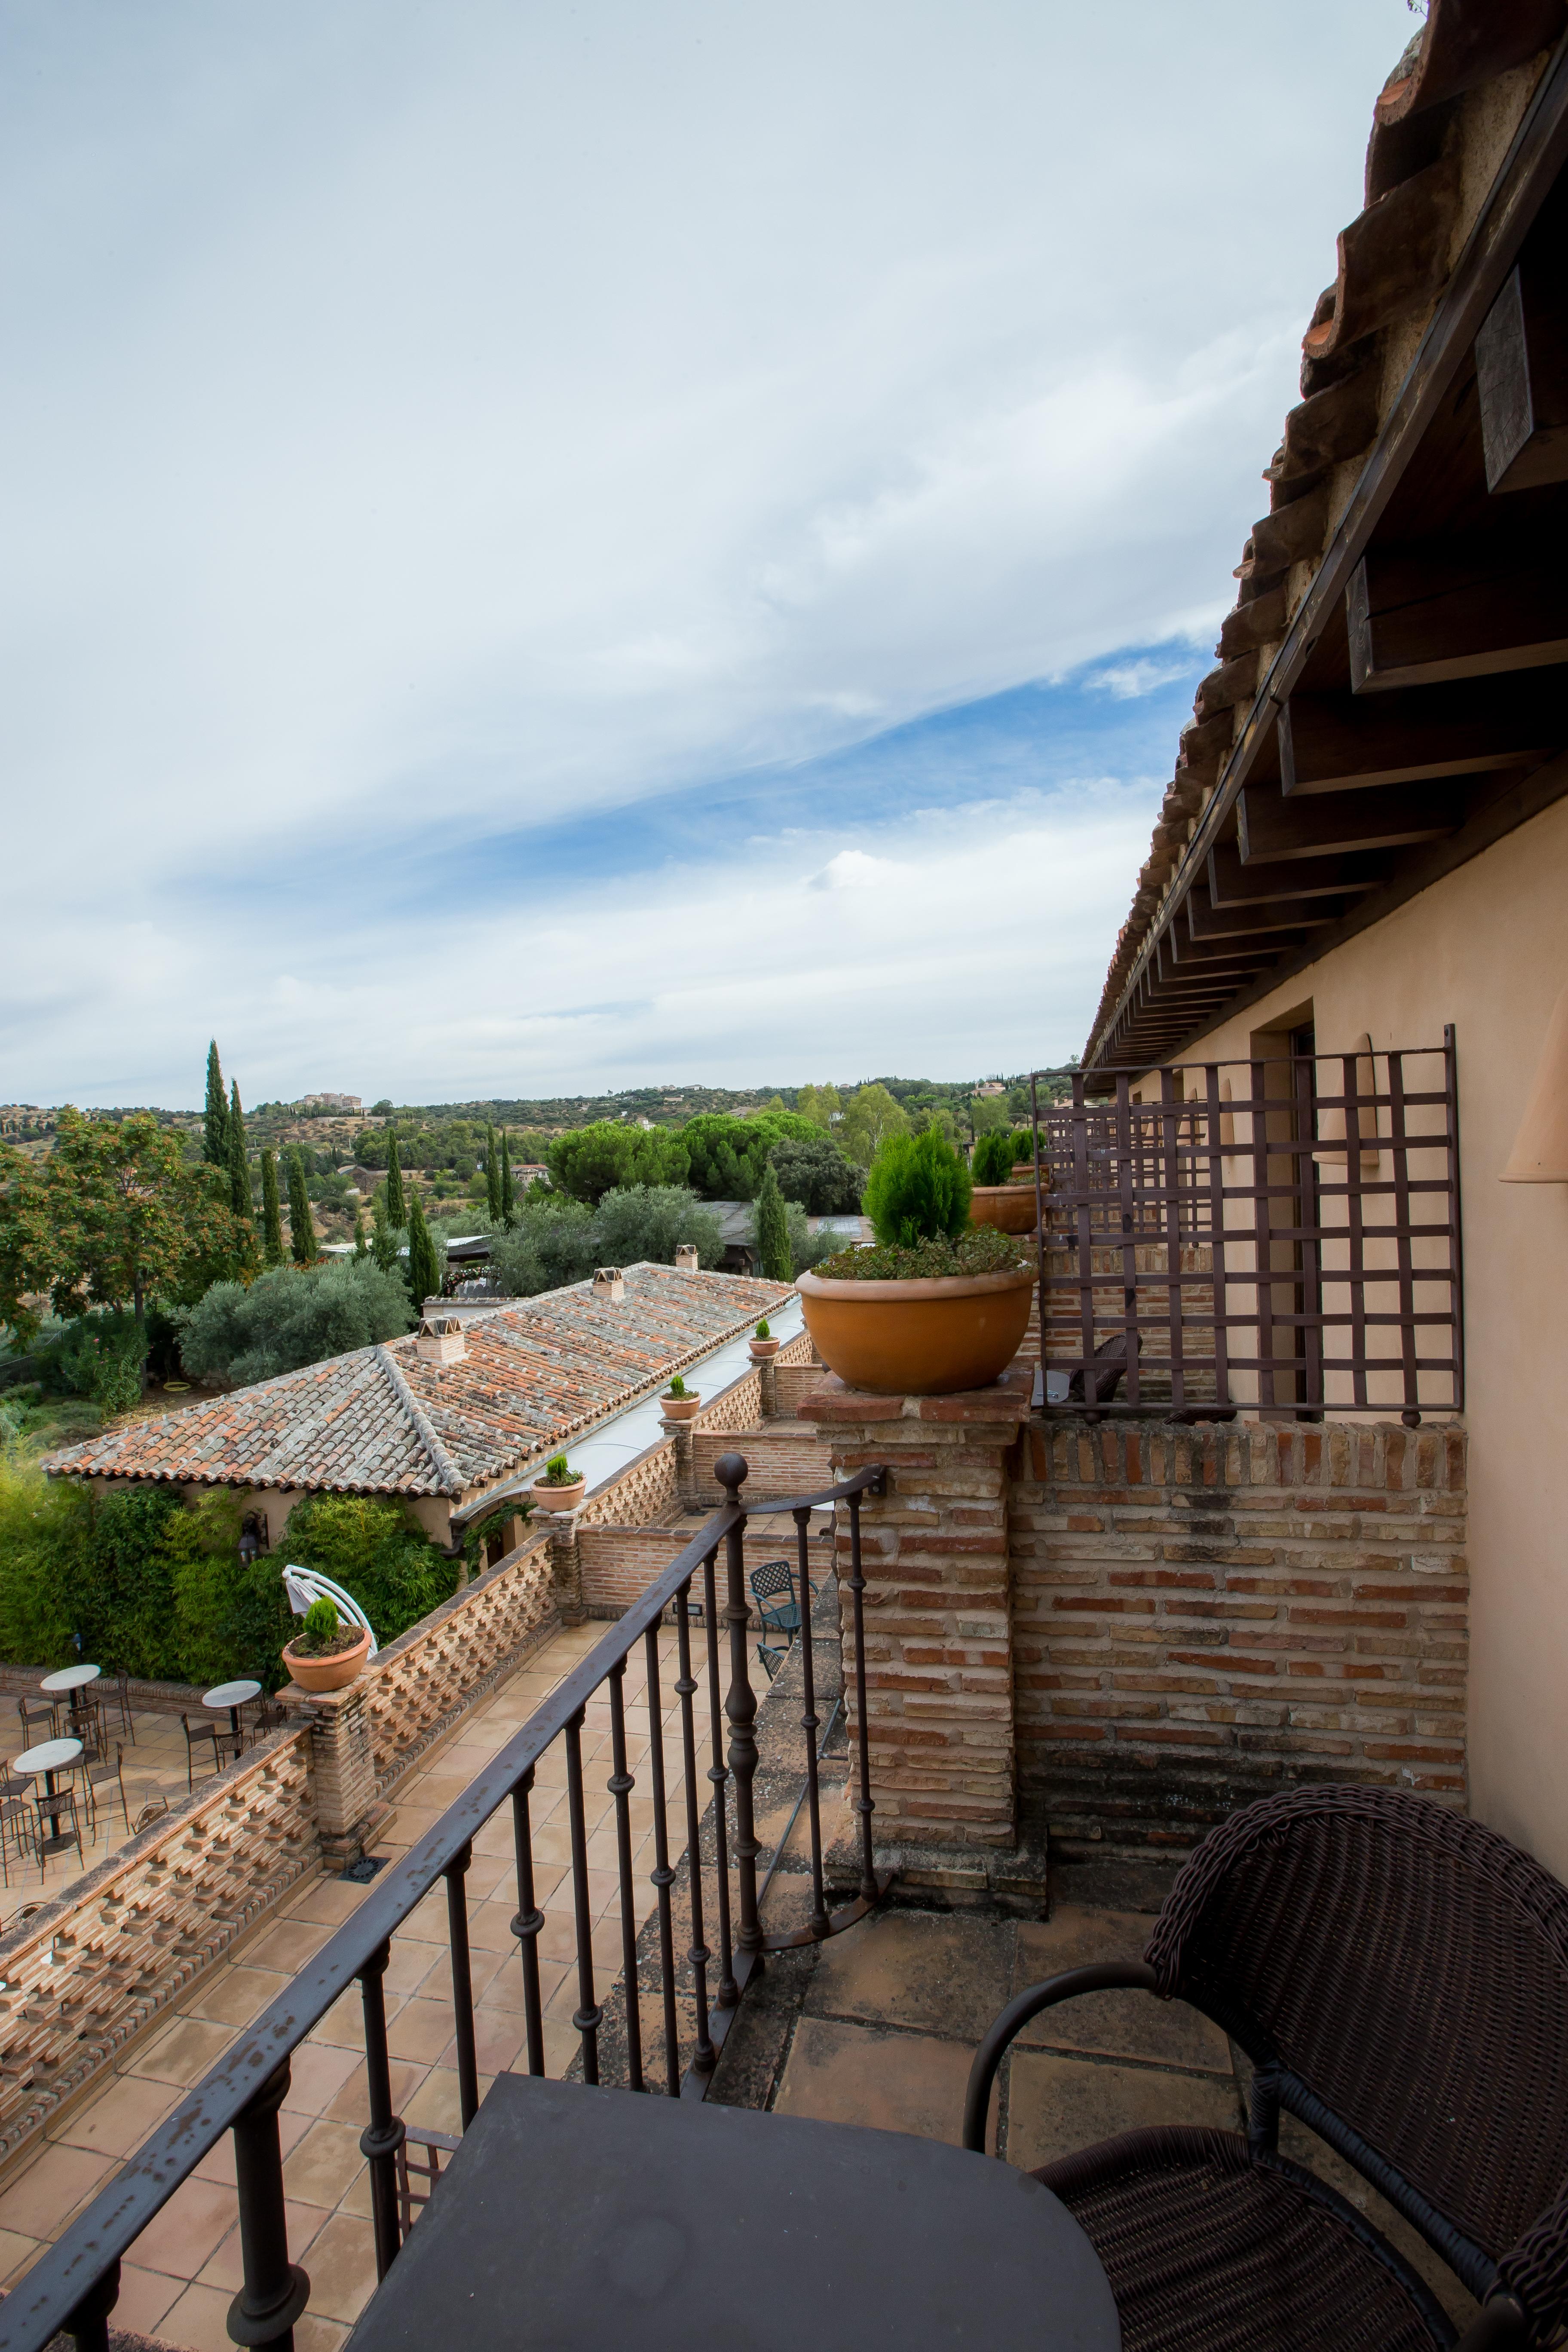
x=686, y=1258
x=441, y=1341
x=609, y=1286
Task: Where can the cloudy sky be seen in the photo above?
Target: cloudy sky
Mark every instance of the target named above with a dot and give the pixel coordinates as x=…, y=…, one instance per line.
x=557, y=546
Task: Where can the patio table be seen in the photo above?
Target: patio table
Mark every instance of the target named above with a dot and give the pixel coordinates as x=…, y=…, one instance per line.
x=50, y=1756
x=74, y=1680
x=591, y=2221
x=232, y=1695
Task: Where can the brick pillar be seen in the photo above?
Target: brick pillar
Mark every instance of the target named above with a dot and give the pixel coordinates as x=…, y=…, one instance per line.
x=768, y=1383
x=342, y=1770
x=566, y=1569
x=939, y=1655
x=685, y=1435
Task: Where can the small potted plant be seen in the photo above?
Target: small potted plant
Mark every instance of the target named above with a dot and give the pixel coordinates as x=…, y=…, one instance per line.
x=764, y=1345
x=325, y=1653
x=1002, y=1174
x=679, y=1402
x=936, y=1305
x=557, y=1488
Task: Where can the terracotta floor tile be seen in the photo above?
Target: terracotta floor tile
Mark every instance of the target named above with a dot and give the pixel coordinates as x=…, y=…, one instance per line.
x=420, y=2030
x=317, y=2072
x=313, y=2333
x=489, y=1926
x=343, y=2028
x=408, y=1966
x=326, y=2161
x=233, y=1996
x=288, y=1944
x=57, y=2181
x=1121, y=2024
x=436, y=2105
x=226, y=2267
x=119, y=2120
x=218, y=2162
x=497, y=2039
x=866, y=2075
x=1057, y=2106
x=343, y=2277
x=329, y=1902
x=947, y=1976
x=352, y=2103
x=190, y=2048
x=17, y=2253
x=196, y=2218
x=144, y=2296
x=198, y=2321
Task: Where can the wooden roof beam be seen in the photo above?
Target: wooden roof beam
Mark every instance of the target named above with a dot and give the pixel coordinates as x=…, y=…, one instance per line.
x=1270, y=827
x=1232, y=883
x=1422, y=614
x=1346, y=742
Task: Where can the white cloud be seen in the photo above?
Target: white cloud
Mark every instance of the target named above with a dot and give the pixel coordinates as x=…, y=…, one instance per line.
x=1128, y=682
x=856, y=869
x=444, y=423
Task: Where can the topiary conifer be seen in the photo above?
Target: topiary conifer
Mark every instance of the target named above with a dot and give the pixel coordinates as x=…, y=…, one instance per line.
x=382, y=1248
x=396, y=1206
x=508, y=1187
x=773, y=1228
x=362, y=1246
x=214, y=1118
x=301, y=1224
x=424, y=1266
x=492, y=1176
x=271, y=1215
x=238, y=1165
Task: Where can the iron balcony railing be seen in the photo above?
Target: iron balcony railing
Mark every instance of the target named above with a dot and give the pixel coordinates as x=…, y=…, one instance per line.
x=74, y=2285
x=1280, y=1234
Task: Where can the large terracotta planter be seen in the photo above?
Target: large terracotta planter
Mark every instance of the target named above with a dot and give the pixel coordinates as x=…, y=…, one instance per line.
x=1009, y=1207
x=919, y=1339
x=686, y=1408
x=327, y=1673
x=546, y=1497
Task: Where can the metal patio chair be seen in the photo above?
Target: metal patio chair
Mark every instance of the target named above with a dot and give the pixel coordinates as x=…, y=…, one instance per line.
x=769, y=1659
x=39, y=1723
x=1398, y=1977
x=197, y=1736
x=109, y=1777
x=771, y=1580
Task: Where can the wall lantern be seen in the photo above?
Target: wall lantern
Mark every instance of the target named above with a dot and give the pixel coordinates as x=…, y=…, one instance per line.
x=1540, y=1153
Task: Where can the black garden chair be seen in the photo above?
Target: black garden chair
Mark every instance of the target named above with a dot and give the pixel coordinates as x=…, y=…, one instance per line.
x=773, y=1598
x=1398, y=1977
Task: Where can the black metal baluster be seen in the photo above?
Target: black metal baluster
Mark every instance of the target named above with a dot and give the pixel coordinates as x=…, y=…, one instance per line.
x=808, y=1722
x=456, y=1874
x=728, y=1993
x=863, y=1805
x=621, y=1784
x=588, y=2016
x=685, y=1686
x=89, y=2323
x=276, y=2290
x=527, y=1921
x=382, y=2135
x=663, y=1876
x=741, y=1708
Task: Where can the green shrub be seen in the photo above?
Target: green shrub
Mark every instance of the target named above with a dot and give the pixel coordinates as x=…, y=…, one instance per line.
x=918, y=1191
x=677, y=1388
x=996, y=1155
x=763, y=1331
x=292, y=1317
x=556, y=1473
x=979, y=1249
x=816, y=1173
x=368, y=1545
x=319, y=1629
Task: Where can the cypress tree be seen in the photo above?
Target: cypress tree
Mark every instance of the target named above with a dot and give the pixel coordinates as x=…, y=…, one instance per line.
x=508, y=1189
x=493, y=1177
x=397, y=1207
x=424, y=1266
x=214, y=1118
x=362, y=1247
x=773, y=1228
x=303, y=1227
x=382, y=1246
x=238, y=1165
x=271, y=1217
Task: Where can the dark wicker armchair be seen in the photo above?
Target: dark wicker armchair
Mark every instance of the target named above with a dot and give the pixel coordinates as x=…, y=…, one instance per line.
x=1398, y=1977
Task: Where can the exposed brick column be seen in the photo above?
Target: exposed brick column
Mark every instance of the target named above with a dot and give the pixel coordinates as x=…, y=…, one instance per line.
x=768, y=1382
x=684, y=1434
x=342, y=1770
x=939, y=1652
x=566, y=1569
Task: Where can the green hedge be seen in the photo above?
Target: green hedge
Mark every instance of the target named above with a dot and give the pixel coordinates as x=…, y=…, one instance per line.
x=159, y=1588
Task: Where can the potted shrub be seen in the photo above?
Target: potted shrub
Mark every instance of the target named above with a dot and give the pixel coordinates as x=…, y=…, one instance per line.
x=935, y=1305
x=325, y=1653
x=1003, y=1187
x=557, y=1488
x=764, y=1345
x=679, y=1402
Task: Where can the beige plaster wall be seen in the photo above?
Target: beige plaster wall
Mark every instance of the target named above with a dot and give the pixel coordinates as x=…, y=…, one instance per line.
x=1487, y=948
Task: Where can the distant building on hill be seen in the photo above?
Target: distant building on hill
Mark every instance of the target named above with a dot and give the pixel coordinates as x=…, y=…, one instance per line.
x=329, y=1102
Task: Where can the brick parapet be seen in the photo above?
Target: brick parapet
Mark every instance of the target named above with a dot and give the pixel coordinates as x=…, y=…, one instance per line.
x=934, y=1558
x=1201, y=1614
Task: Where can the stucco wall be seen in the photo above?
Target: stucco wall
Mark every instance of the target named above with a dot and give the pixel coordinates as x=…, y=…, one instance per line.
x=1487, y=948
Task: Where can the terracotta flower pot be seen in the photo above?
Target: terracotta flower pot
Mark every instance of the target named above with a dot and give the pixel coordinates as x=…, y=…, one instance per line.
x=327, y=1673
x=919, y=1339
x=1009, y=1207
x=546, y=1497
x=686, y=1408
x=764, y=1351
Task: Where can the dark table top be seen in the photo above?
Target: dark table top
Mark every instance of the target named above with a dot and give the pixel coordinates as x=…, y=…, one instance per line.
x=584, y=2220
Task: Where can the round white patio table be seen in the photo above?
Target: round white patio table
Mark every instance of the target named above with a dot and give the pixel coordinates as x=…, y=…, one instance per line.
x=50, y=1756
x=74, y=1680
x=232, y=1695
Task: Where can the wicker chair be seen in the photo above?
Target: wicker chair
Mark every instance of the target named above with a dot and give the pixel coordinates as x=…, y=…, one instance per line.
x=1398, y=1977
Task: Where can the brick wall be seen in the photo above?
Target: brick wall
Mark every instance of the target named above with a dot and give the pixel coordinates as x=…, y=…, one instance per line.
x=1201, y=1615
x=91, y=1968
x=618, y=1564
x=739, y=1407
x=643, y=1489
x=782, y=1457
